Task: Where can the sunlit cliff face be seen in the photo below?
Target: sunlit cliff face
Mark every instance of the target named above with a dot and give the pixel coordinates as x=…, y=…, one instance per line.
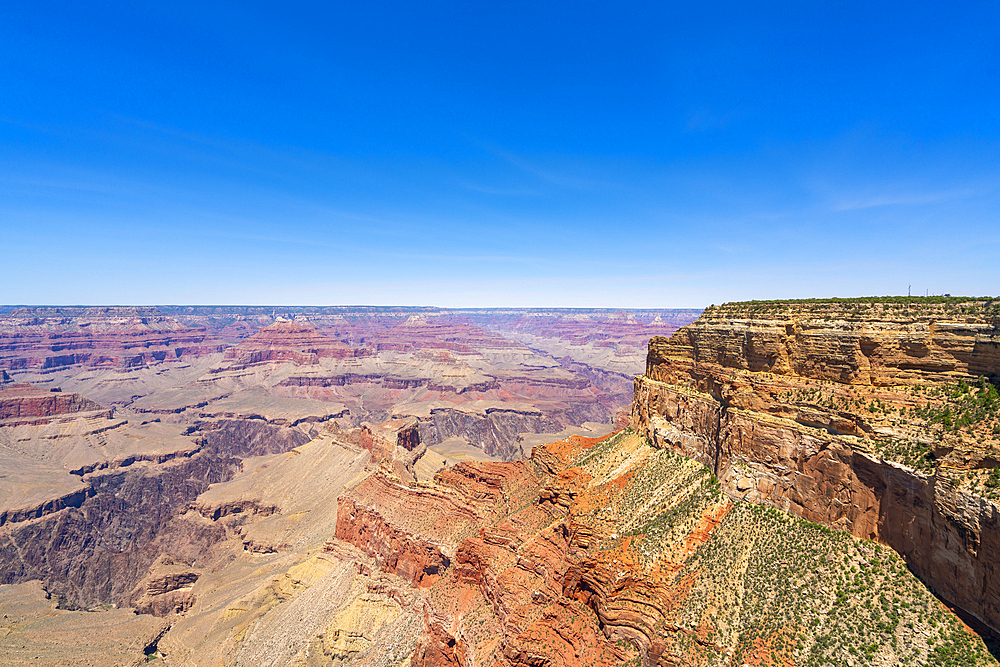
x=876, y=419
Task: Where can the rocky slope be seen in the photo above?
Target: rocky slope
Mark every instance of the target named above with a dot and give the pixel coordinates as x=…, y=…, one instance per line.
x=33, y=631
x=867, y=416
x=592, y=552
x=609, y=551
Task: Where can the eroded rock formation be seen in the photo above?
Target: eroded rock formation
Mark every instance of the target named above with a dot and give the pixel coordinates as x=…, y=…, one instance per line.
x=606, y=551
x=22, y=404
x=44, y=339
x=94, y=546
x=805, y=407
x=286, y=340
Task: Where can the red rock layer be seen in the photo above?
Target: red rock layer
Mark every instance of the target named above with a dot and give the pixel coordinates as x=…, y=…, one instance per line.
x=43, y=339
x=454, y=334
x=522, y=589
x=417, y=560
x=25, y=404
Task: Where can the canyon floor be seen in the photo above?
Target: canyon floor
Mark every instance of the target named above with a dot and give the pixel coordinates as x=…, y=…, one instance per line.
x=245, y=486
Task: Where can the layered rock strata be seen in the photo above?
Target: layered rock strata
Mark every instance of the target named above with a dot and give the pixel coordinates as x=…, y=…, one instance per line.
x=609, y=551
x=46, y=339
x=22, y=404
x=808, y=406
x=450, y=369
x=286, y=340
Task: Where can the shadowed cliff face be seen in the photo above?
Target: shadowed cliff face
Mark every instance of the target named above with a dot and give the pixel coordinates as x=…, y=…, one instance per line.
x=93, y=549
x=837, y=416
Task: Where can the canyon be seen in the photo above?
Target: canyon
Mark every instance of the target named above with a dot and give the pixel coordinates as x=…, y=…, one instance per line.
x=115, y=420
x=761, y=483
x=464, y=374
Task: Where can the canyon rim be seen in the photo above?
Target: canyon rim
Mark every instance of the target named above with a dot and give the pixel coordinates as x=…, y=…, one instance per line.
x=766, y=483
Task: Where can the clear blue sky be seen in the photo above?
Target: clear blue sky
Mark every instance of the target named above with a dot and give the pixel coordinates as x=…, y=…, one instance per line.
x=511, y=154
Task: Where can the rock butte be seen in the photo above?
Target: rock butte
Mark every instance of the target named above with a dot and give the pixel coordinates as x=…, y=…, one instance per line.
x=24, y=404
x=286, y=340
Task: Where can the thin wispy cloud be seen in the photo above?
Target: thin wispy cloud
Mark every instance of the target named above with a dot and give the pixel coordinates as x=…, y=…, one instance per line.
x=501, y=192
x=546, y=174
x=561, y=179
x=905, y=199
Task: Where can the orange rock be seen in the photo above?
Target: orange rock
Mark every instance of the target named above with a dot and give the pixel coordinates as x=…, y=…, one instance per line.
x=719, y=391
x=25, y=404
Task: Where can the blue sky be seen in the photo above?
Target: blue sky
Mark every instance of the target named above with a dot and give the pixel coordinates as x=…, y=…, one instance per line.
x=519, y=154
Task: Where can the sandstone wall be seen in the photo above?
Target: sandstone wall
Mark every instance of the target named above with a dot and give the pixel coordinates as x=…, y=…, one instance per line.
x=700, y=398
x=23, y=403
x=842, y=347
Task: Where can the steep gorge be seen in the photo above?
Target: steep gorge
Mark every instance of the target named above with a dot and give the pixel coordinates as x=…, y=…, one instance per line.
x=95, y=549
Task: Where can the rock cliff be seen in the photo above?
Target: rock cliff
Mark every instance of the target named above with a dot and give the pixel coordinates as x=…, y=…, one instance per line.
x=875, y=417
x=22, y=404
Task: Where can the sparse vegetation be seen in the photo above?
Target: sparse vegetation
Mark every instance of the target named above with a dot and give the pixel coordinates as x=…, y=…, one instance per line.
x=775, y=589
x=966, y=414
x=963, y=406
x=804, y=594
x=952, y=306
